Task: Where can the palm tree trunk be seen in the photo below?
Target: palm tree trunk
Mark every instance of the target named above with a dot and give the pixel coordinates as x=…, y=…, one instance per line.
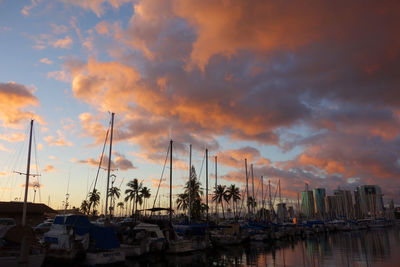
x=222, y=205
x=135, y=208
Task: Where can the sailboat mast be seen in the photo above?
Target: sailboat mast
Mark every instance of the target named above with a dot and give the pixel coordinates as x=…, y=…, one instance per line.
x=270, y=199
x=262, y=197
x=109, y=164
x=190, y=180
x=216, y=184
x=280, y=196
x=252, y=186
x=28, y=168
x=170, y=182
x=247, y=187
x=207, y=183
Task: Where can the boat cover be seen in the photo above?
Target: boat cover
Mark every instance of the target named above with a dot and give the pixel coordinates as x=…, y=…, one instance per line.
x=80, y=223
x=105, y=237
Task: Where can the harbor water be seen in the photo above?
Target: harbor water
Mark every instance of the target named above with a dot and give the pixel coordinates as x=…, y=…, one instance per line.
x=378, y=247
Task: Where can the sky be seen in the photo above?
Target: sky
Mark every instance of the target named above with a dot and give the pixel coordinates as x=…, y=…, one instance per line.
x=306, y=91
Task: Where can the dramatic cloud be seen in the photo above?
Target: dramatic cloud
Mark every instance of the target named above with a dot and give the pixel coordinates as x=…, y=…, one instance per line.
x=318, y=77
x=14, y=98
x=235, y=157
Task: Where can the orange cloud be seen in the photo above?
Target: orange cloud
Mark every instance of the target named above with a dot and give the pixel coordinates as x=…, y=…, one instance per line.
x=96, y=6
x=163, y=184
x=235, y=157
x=13, y=137
x=49, y=168
x=59, y=29
x=57, y=141
x=103, y=28
x=61, y=76
x=46, y=61
x=26, y=9
x=63, y=43
x=269, y=72
x=109, y=86
x=14, y=98
x=120, y=162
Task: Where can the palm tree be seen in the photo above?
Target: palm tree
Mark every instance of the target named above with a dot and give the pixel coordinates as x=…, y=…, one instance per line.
x=182, y=201
x=112, y=193
x=197, y=207
x=219, y=196
x=251, y=202
x=84, y=206
x=233, y=194
x=128, y=199
x=145, y=192
x=94, y=199
x=196, y=193
x=133, y=191
x=120, y=205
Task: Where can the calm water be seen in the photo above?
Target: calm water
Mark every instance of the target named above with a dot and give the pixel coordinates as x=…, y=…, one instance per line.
x=363, y=248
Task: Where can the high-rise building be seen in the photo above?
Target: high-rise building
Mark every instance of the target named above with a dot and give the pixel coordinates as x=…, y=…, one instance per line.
x=319, y=202
x=331, y=207
x=369, y=201
x=345, y=206
x=307, y=203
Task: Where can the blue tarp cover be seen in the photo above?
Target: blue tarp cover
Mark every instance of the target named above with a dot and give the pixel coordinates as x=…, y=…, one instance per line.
x=80, y=223
x=105, y=237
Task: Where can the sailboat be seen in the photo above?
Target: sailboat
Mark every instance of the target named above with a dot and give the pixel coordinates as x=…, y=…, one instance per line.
x=74, y=237
x=104, y=247
x=181, y=243
x=18, y=244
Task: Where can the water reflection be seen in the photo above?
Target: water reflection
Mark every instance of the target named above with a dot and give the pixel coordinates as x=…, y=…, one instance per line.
x=362, y=248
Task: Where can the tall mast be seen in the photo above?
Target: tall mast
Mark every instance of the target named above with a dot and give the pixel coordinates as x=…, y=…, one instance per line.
x=252, y=185
x=170, y=182
x=28, y=168
x=262, y=197
x=190, y=180
x=109, y=163
x=247, y=187
x=280, y=196
x=207, y=183
x=270, y=199
x=216, y=184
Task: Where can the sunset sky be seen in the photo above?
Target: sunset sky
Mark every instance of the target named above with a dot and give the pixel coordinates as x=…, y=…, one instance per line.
x=307, y=91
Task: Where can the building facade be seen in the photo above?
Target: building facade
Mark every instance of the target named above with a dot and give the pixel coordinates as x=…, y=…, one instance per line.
x=345, y=207
x=319, y=202
x=369, y=201
x=307, y=204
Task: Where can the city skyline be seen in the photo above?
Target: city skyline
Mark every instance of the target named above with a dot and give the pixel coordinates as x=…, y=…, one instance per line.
x=302, y=95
